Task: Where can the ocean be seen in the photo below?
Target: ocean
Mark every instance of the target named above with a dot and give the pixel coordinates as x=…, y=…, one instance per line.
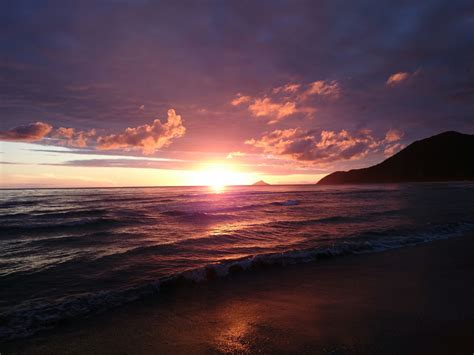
x=67, y=253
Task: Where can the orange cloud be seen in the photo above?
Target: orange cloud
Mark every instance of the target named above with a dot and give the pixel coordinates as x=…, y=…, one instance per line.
x=288, y=88
x=394, y=135
x=266, y=107
x=392, y=149
x=29, y=133
x=275, y=142
x=328, y=147
x=240, y=99
x=330, y=89
x=147, y=138
x=277, y=107
x=73, y=138
x=397, y=78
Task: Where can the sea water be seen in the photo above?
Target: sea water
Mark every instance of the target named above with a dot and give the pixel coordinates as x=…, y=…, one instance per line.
x=68, y=253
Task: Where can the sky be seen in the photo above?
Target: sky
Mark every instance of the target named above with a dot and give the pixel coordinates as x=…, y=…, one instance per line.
x=146, y=93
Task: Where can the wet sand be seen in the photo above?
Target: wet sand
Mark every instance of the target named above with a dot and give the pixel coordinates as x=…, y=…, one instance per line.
x=414, y=300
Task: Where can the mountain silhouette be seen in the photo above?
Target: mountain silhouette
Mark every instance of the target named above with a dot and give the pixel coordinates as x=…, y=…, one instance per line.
x=448, y=156
x=261, y=183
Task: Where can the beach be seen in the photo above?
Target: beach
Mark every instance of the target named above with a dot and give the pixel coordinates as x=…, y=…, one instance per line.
x=412, y=300
x=228, y=177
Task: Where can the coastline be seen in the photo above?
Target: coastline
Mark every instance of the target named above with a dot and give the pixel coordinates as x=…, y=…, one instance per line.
x=416, y=299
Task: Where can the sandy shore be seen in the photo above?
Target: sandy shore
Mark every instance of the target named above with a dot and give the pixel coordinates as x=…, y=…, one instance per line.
x=415, y=300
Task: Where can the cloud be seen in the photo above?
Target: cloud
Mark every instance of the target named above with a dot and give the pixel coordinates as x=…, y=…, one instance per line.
x=29, y=133
x=248, y=50
x=240, y=99
x=147, y=138
x=328, y=147
x=232, y=155
x=128, y=163
x=274, y=142
x=392, y=149
x=394, y=135
x=73, y=138
x=277, y=106
x=288, y=88
x=266, y=107
x=397, y=78
x=329, y=89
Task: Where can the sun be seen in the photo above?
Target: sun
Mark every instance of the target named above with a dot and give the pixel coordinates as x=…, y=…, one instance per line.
x=218, y=176
x=218, y=179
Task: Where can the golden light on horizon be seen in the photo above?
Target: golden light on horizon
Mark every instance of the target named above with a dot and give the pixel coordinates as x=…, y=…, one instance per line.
x=218, y=176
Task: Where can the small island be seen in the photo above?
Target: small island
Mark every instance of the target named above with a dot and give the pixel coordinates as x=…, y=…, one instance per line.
x=444, y=157
x=261, y=183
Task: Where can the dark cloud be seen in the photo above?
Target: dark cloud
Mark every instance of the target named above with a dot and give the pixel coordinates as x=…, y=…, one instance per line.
x=29, y=133
x=145, y=138
x=114, y=64
x=328, y=147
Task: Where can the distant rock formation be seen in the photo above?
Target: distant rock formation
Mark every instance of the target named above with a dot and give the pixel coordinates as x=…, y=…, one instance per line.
x=448, y=156
x=261, y=183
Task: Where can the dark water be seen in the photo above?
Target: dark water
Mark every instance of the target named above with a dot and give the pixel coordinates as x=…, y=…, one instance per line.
x=68, y=253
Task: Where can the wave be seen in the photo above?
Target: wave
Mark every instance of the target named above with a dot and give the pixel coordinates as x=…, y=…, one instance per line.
x=219, y=213
x=198, y=217
x=309, y=222
x=286, y=203
x=26, y=320
x=358, y=191
x=177, y=247
x=14, y=215
x=83, y=224
x=330, y=220
x=19, y=203
x=85, y=240
x=71, y=214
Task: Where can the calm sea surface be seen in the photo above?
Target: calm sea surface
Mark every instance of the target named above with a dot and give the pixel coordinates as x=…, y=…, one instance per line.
x=74, y=252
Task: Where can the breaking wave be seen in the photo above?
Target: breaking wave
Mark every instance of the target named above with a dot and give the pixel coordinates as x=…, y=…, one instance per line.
x=28, y=319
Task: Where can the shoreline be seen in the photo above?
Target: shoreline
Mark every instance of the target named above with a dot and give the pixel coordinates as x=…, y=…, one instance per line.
x=416, y=299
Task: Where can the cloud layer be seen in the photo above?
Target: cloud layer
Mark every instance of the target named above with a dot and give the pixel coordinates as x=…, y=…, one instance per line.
x=287, y=100
x=327, y=147
x=72, y=138
x=303, y=66
x=145, y=138
x=266, y=107
x=28, y=133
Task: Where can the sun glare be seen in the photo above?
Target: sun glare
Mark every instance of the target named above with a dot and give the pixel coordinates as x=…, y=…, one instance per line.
x=217, y=177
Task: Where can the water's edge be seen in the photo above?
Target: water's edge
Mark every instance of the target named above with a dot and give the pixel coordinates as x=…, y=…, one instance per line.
x=24, y=323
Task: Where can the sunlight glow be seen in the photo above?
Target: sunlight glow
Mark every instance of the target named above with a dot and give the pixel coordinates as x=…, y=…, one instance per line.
x=218, y=176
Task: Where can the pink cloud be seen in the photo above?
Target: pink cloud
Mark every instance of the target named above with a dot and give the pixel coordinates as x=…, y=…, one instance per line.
x=240, y=99
x=329, y=89
x=266, y=107
x=394, y=135
x=328, y=147
x=147, y=138
x=397, y=78
x=287, y=88
x=73, y=138
x=233, y=155
x=277, y=106
x=29, y=133
x=274, y=142
x=392, y=149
